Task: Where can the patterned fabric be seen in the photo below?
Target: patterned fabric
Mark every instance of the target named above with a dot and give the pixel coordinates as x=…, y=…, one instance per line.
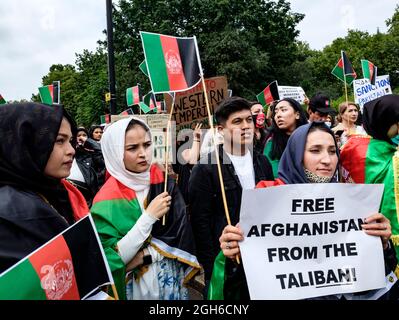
x=314, y=178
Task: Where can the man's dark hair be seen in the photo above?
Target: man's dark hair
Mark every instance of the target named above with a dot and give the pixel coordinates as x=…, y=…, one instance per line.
x=229, y=106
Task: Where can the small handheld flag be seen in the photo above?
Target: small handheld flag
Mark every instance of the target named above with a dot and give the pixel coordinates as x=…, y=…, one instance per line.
x=269, y=94
x=369, y=71
x=172, y=63
x=344, y=70
x=2, y=100
x=133, y=96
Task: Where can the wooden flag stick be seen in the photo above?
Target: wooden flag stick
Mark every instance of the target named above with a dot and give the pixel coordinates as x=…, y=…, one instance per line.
x=114, y=291
x=226, y=209
x=167, y=152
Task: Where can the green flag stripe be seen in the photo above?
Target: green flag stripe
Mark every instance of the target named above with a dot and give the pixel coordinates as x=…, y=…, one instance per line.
x=261, y=98
x=45, y=95
x=156, y=62
x=21, y=283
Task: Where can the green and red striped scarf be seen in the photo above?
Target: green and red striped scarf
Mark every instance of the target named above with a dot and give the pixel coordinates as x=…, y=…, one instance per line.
x=369, y=160
x=116, y=210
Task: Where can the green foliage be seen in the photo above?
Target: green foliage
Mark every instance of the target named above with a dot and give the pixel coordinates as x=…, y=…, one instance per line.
x=252, y=42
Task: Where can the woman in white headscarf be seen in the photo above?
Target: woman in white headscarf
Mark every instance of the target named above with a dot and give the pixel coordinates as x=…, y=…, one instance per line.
x=148, y=260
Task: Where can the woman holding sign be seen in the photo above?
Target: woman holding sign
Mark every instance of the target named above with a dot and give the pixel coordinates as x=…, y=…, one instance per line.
x=312, y=156
x=148, y=260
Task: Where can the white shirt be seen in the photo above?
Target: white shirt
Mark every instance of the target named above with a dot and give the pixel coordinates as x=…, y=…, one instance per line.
x=244, y=168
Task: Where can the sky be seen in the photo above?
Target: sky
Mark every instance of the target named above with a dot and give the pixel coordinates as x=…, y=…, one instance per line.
x=35, y=34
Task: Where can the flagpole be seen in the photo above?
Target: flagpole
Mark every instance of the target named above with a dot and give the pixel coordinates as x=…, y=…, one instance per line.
x=167, y=151
x=226, y=209
x=116, y=296
x=346, y=86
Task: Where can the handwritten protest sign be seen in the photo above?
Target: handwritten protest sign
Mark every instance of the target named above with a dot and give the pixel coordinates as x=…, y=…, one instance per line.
x=157, y=124
x=364, y=91
x=190, y=106
x=308, y=242
x=296, y=93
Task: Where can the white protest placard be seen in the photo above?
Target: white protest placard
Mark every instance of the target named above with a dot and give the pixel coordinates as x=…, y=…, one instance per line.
x=306, y=240
x=158, y=124
x=296, y=93
x=364, y=91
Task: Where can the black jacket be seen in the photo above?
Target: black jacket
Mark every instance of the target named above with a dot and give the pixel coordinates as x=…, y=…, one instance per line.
x=207, y=212
x=26, y=223
x=91, y=163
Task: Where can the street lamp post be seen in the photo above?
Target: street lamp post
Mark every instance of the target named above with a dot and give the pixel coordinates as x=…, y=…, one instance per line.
x=111, y=59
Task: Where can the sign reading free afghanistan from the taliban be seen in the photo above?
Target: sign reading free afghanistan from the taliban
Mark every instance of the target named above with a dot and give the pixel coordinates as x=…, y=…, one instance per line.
x=190, y=107
x=364, y=91
x=157, y=124
x=306, y=240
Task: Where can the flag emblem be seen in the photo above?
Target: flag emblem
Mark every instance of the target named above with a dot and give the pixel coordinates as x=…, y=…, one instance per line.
x=57, y=279
x=173, y=62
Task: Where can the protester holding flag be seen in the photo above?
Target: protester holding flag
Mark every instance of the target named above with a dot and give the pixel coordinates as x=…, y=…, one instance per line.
x=311, y=156
x=148, y=260
x=36, y=203
x=240, y=168
x=347, y=117
x=287, y=115
x=375, y=159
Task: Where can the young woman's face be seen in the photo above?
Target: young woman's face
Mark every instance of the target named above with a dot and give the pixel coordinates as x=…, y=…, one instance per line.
x=351, y=113
x=81, y=136
x=97, y=134
x=138, y=150
x=60, y=162
x=285, y=116
x=320, y=155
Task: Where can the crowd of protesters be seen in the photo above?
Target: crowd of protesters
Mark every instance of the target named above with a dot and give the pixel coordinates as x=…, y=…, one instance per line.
x=162, y=241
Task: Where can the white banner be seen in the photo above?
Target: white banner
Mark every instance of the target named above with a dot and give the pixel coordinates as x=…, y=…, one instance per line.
x=306, y=240
x=295, y=93
x=364, y=91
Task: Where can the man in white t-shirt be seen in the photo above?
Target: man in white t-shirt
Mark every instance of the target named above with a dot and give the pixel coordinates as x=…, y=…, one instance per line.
x=241, y=168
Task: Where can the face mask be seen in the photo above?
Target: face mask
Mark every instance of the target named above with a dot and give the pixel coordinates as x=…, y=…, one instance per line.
x=259, y=120
x=328, y=124
x=395, y=140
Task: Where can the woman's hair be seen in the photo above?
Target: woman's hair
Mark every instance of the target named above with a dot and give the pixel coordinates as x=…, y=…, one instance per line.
x=280, y=137
x=342, y=108
x=134, y=123
x=92, y=128
x=82, y=129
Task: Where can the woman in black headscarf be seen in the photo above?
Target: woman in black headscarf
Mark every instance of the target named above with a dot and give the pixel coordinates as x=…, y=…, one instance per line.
x=36, y=154
x=312, y=156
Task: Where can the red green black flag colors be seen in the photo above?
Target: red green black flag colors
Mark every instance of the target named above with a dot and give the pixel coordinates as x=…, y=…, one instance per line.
x=105, y=119
x=2, y=100
x=172, y=63
x=133, y=96
x=269, y=94
x=46, y=94
x=344, y=70
x=369, y=71
x=71, y=266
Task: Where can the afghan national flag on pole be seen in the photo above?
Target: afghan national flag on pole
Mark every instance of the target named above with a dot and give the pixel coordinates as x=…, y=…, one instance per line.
x=46, y=94
x=368, y=160
x=143, y=68
x=269, y=94
x=172, y=63
x=149, y=102
x=71, y=266
x=133, y=96
x=344, y=70
x=127, y=112
x=369, y=71
x=105, y=119
x=2, y=100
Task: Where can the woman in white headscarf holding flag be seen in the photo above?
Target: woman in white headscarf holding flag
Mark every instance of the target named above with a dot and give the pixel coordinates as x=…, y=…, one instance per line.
x=148, y=260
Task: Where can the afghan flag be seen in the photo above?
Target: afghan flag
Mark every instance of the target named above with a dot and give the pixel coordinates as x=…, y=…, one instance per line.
x=2, y=100
x=127, y=112
x=105, y=119
x=133, y=96
x=174, y=241
x=369, y=71
x=269, y=94
x=71, y=266
x=143, y=68
x=368, y=160
x=47, y=94
x=149, y=103
x=344, y=70
x=173, y=64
